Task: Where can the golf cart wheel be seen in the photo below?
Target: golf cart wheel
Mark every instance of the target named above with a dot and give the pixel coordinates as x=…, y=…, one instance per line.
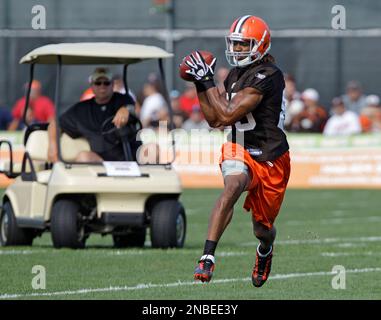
x=135, y=238
x=10, y=233
x=168, y=224
x=66, y=225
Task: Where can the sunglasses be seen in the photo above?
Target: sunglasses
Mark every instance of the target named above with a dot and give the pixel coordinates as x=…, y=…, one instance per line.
x=99, y=83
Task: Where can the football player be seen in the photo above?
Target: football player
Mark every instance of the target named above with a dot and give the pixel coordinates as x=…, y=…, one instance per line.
x=255, y=158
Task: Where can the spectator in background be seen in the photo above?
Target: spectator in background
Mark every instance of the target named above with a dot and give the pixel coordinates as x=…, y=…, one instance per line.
x=196, y=120
x=85, y=119
x=154, y=107
x=5, y=118
x=41, y=108
x=220, y=77
x=370, y=116
x=354, y=100
x=290, y=91
x=179, y=116
x=189, y=98
x=117, y=87
x=343, y=122
x=313, y=116
x=292, y=99
x=87, y=94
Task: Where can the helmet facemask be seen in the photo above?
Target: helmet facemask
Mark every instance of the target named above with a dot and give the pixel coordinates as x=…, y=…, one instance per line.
x=243, y=58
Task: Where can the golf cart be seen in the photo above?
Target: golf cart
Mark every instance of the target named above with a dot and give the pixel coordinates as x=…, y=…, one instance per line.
x=73, y=200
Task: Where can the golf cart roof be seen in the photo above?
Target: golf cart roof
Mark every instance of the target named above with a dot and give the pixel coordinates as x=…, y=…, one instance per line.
x=94, y=53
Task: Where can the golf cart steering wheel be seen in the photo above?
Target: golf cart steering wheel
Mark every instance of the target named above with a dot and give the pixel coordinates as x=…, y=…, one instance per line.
x=124, y=135
x=113, y=134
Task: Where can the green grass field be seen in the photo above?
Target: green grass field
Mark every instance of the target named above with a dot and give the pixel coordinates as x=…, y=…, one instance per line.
x=316, y=230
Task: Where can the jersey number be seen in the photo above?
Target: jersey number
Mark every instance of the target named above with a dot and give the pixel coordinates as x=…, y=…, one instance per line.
x=282, y=115
x=249, y=125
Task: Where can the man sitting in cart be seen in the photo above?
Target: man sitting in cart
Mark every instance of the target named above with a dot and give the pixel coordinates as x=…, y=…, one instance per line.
x=85, y=119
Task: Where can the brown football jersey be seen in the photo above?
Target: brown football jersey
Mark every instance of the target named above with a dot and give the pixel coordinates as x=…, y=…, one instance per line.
x=261, y=130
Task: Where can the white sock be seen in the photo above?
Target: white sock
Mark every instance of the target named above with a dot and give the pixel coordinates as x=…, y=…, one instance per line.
x=264, y=255
x=208, y=256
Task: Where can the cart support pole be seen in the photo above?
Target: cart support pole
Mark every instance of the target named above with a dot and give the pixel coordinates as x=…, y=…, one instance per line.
x=27, y=97
x=170, y=111
x=125, y=83
x=57, y=101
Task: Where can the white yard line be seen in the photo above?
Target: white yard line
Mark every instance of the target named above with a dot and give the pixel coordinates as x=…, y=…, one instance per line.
x=348, y=254
x=176, y=252
x=341, y=220
x=350, y=245
x=174, y=284
x=231, y=254
x=184, y=252
x=320, y=241
x=12, y=252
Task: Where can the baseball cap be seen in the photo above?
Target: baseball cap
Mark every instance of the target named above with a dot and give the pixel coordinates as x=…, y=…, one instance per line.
x=100, y=73
x=310, y=94
x=337, y=101
x=353, y=85
x=372, y=99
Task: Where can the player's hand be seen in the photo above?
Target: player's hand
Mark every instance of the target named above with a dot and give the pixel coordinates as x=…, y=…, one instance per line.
x=199, y=69
x=121, y=117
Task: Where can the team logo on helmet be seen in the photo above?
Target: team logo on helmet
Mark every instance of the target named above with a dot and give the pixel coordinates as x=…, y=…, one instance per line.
x=248, y=41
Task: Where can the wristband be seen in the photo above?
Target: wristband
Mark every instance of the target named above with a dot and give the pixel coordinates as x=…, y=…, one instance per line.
x=204, y=85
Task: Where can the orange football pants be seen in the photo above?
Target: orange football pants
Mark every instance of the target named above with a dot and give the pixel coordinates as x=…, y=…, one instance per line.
x=268, y=182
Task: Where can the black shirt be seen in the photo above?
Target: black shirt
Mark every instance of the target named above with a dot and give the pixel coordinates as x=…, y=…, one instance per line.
x=85, y=119
x=260, y=131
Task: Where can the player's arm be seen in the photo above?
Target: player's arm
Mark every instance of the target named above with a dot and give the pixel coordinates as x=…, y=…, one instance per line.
x=228, y=112
x=217, y=109
x=207, y=110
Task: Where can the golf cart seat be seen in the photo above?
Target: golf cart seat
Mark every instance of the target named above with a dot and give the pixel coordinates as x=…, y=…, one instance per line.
x=37, y=148
x=5, y=166
x=38, y=144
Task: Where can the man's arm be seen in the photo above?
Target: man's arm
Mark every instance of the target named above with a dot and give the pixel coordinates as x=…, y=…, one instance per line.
x=52, y=149
x=13, y=125
x=121, y=117
x=127, y=107
x=225, y=113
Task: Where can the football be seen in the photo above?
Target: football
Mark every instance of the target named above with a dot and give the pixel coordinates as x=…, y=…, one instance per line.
x=208, y=57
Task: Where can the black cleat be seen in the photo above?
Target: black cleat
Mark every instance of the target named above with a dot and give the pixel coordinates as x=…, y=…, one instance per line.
x=262, y=268
x=204, y=269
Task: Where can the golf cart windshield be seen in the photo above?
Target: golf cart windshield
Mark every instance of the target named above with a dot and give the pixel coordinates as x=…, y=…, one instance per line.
x=93, y=53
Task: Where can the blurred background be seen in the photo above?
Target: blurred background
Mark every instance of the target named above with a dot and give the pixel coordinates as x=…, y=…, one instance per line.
x=328, y=72
x=304, y=43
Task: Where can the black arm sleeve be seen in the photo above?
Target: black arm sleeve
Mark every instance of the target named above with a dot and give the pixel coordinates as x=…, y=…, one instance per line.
x=123, y=100
x=69, y=124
